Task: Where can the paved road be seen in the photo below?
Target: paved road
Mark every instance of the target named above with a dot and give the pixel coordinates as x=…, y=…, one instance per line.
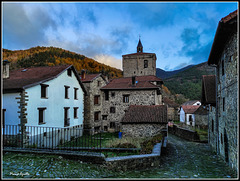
x=185, y=159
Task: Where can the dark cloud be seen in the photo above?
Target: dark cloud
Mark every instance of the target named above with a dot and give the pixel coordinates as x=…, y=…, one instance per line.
x=192, y=46
x=19, y=30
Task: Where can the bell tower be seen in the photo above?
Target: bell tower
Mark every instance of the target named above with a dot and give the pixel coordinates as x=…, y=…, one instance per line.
x=140, y=63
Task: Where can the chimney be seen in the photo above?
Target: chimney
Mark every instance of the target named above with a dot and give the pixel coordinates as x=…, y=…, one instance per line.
x=83, y=74
x=6, y=69
x=133, y=80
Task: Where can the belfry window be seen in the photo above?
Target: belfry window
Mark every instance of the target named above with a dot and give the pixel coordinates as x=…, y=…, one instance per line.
x=145, y=63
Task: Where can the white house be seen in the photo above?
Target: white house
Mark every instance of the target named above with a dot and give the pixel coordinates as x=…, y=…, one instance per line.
x=49, y=97
x=187, y=110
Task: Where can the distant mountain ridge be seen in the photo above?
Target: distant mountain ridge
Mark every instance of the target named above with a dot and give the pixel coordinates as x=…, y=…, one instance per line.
x=188, y=80
x=166, y=74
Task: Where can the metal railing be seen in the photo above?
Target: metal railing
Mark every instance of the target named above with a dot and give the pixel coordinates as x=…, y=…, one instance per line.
x=53, y=138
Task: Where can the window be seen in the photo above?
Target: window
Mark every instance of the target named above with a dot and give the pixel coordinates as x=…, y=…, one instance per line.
x=66, y=117
x=96, y=99
x=98, y=83
x=212, y=125
x=112, y=124
x=104, y=117
x=223, y=103
x=3, y=121
x=222, y=67
x=145, y=63
x=69, y=72
x=112, y=109
x=113, y=94
x=41, y=115
x=66, y=92
x=125, y=98
x=96, y=116
x=44, y=90
x=75, y=93
x=75, y=112
x=106, y=95
x=230, y=58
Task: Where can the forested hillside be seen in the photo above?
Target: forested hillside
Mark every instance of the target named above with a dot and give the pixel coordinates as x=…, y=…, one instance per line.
x=51, y=56
x=189, y=82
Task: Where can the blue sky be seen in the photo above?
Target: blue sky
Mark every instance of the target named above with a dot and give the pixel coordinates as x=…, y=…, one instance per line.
x=179, y=33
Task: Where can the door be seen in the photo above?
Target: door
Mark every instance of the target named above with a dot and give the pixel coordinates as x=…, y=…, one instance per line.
x=226, y=145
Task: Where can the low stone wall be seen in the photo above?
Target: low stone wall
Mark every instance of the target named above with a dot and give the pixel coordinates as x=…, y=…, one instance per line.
x=184, y=133
x=142, y=130
x=135, y=162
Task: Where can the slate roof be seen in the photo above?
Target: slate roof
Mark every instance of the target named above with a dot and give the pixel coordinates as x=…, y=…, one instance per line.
x=90, y=77
x=27, y=77
x=226, y=27
x=189, y=109
x=146, y=114
x=208, y=89
x=143, y=82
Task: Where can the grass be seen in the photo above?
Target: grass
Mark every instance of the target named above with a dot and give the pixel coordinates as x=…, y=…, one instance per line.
x=203, y=134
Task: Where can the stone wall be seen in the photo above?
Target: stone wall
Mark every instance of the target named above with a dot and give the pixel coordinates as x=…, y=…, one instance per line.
x=201, y=120
x=135, y=162
x=142, y=130
x=93, y=89
x=184, y=133
x=212, y=129
x=136, y=97
x=133, y=65
x=227, y=91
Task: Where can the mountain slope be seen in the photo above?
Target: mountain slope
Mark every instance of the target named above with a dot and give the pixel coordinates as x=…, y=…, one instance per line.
x=166, y=74
x=50, y=56
x=188, y=82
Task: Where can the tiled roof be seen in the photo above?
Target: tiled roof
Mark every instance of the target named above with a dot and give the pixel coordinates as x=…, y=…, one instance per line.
x=208, y=89
x=191, y=102
x=146, y=114
x=90, y=77
x=229, y=17
x=189, y=109
x=138, y=53
x=169, y=102
x=143, y=82
x=28, y=77
x=226, y=27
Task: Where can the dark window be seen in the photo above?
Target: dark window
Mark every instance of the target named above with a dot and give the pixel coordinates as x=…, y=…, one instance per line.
x=44, y=90
x=222, y=67
x=212, y=125
x=75, y=93
x=66, y=92
x=69, y=72
x=41, y=115
x=75, y=114
x=106, y=95
x=113, y=94
x=96, y=116
x=3, y=121
x=145, y=63
x=125, y=98
x=221, y=138
x=98, y=83
x=96, y=99
x=223, y=103
x=112, y=109
x=66, y=117
x=158, y=92
x=104, y=117
x=112, y=124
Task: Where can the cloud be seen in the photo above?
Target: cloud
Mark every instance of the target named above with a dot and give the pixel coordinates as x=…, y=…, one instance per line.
x=109, y=60
x=22, y=29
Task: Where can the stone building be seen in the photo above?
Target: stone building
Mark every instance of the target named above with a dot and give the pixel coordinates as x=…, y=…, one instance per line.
x=93, y=101
x=224, y=56
x=172, y=109
x=140, y=63
x=144, y=121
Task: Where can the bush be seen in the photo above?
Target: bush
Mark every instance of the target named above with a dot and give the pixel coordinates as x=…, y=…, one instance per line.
x=147, y=146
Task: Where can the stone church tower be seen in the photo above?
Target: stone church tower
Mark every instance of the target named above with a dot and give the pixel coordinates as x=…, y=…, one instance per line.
x=140, y=63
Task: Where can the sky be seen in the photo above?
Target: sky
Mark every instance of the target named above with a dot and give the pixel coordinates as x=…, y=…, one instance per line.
x=179, y=33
